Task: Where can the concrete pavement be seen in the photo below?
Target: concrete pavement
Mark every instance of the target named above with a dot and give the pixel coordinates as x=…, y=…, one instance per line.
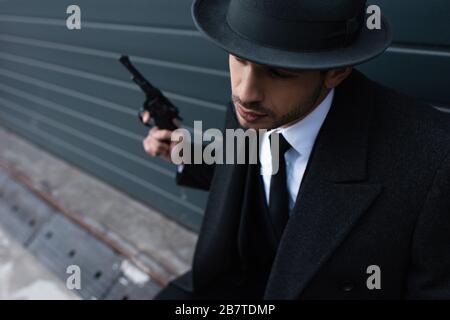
x=53, y=215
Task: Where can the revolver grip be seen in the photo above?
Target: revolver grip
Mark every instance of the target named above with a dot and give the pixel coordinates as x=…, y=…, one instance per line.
x=163, y=122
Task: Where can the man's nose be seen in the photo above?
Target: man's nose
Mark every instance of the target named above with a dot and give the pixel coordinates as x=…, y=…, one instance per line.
x=250, y=89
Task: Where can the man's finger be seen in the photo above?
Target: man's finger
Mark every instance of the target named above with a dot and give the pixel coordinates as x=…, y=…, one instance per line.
x=146, y=116
x=162, y=134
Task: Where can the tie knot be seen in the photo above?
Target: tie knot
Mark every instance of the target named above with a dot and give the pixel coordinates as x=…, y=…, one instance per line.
x=283, y=144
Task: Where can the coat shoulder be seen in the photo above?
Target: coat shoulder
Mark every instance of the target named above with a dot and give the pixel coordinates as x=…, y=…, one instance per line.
x=418, y=125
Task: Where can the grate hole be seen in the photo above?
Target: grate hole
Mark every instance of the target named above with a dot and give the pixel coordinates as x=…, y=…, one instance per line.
x=72, y=253
x=49, y=235
x=97, y=275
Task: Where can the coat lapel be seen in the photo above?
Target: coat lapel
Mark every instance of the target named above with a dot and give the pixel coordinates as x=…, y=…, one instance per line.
x=216, y=246
x=333, y=194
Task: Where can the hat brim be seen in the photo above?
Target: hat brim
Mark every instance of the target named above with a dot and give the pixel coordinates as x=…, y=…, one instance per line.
x=210, y=18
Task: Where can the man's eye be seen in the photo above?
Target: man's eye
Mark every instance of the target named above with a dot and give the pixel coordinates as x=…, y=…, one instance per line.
x=277, y=74
x=239, y=59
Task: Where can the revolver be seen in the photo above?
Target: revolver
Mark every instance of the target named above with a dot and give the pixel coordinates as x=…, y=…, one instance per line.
x=161, y=109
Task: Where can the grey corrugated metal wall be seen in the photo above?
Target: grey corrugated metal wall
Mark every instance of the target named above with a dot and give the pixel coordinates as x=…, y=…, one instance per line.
x=64, y=89
x=418, y=62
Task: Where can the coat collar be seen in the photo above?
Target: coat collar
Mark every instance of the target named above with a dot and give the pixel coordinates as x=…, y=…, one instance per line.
x=333, y=193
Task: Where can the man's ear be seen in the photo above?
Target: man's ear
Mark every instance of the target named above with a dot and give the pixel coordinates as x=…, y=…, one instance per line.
x=334, y=77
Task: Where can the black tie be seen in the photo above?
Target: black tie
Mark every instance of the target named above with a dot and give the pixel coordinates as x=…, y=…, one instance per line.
x=279, y=195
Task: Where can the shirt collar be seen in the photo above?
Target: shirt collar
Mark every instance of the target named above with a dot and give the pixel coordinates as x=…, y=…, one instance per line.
x=302, y=134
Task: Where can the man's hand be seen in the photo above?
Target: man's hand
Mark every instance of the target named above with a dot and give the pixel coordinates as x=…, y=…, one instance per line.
x=158, y=142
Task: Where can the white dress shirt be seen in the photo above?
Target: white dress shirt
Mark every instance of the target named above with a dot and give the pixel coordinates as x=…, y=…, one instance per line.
x=301, y=136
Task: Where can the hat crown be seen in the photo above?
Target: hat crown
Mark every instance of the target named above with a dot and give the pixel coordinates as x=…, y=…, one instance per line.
x=306, y=10
x=294, y=34
x=297, y=24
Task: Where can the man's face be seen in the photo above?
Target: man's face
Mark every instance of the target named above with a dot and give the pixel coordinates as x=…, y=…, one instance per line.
x=267, y=98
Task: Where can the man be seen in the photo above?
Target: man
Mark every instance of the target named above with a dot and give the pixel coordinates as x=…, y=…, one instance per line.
x=360, y=207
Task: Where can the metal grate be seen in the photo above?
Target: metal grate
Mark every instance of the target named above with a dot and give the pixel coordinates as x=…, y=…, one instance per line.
x=60, y=244
x=21, y=213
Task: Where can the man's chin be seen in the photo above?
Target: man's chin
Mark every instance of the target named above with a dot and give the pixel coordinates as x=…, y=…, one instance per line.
x=256, y=125
x=262, y=123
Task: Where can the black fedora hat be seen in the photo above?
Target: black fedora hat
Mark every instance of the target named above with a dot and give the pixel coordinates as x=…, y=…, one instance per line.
x=293, y=34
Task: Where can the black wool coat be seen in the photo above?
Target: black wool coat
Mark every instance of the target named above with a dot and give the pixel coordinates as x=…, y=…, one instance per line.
x=376, y=191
